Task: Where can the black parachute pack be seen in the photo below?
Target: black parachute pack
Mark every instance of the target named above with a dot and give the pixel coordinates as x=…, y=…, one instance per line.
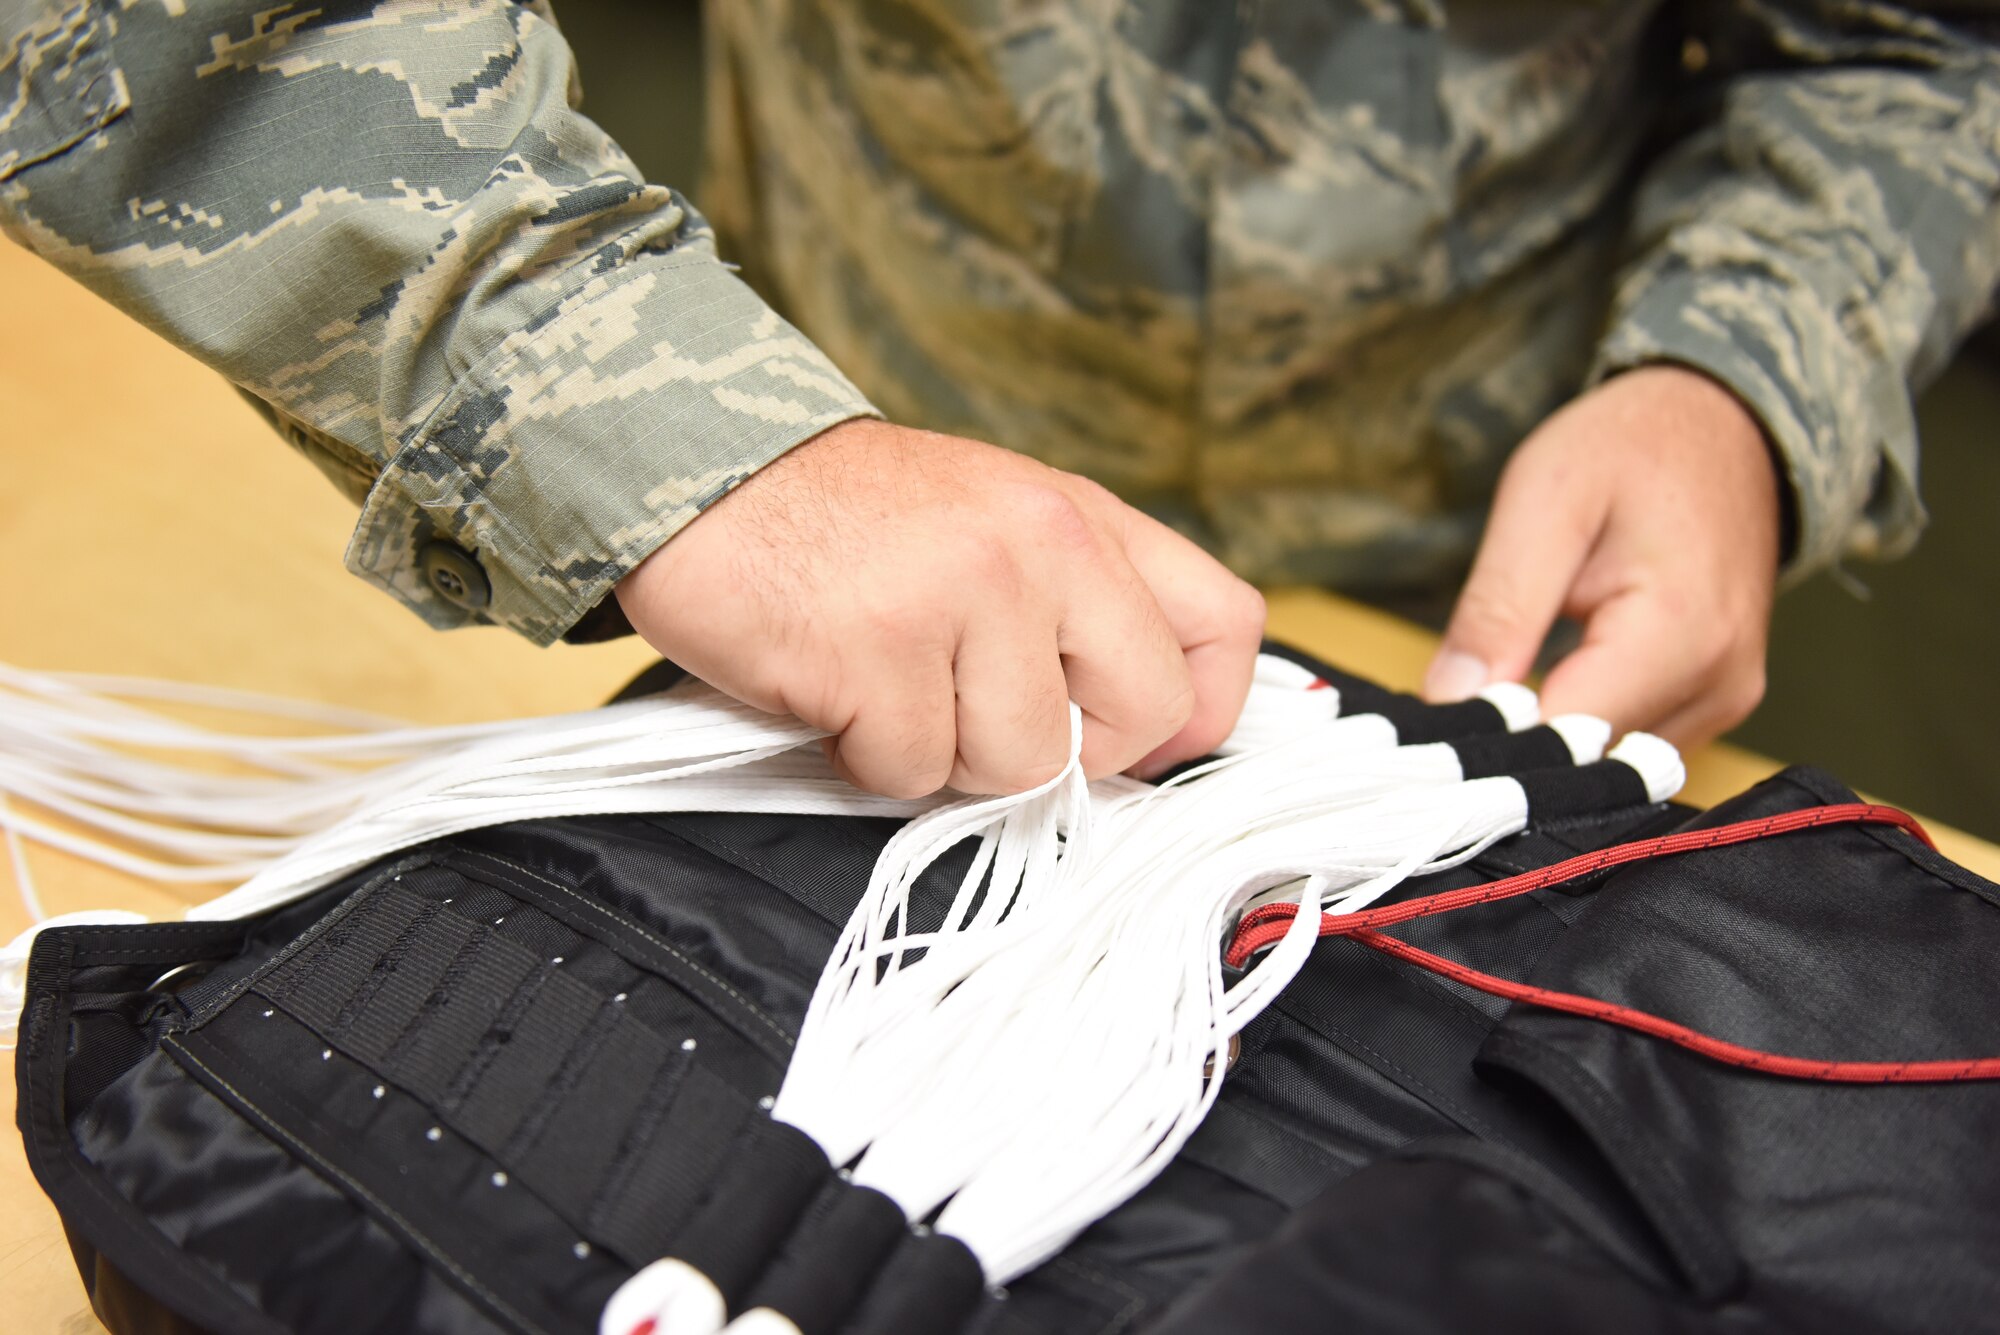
x=473, y=1088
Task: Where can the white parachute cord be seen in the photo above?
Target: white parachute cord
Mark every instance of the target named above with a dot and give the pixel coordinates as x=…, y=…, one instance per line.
x=1285, y=700
x=690, y=750
x=1050, y=922
x=66, y=747
x=887, y=1029
x=982, y=1076
x=88, y=703
x=1113, y=1100
x=1029, y=843
x=665, y=756
x=1147, y=841
x=102, y=691
x=70, y=761
x=879, y=997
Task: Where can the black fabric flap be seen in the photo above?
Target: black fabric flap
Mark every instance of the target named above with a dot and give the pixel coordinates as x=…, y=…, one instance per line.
x=1847, y=1203
x=110, y=1236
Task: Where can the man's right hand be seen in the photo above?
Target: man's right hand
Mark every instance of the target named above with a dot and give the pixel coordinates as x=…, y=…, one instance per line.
x=936, y=603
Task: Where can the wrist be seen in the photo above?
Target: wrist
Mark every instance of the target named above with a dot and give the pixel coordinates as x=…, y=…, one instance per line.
x=1708, y=409
x=644, y=593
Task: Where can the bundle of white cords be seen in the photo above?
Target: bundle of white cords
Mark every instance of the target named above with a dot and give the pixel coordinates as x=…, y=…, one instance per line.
x=1018, y=1072
x=285, y=814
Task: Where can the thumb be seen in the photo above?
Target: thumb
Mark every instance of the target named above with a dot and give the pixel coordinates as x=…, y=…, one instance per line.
x=1536, y=540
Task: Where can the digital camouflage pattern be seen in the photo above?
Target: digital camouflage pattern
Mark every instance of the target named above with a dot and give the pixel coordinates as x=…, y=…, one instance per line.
x=1300, y=273
x=1295, y=274
x=455, y=294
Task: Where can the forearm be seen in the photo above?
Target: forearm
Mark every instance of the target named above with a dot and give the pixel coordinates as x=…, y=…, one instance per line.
x=455, y=293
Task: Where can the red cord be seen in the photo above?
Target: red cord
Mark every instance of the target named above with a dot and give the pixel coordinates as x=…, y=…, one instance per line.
x=1265, y=926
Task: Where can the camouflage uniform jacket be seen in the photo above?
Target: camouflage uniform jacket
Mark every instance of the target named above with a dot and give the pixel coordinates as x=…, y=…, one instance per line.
x=1296, y=274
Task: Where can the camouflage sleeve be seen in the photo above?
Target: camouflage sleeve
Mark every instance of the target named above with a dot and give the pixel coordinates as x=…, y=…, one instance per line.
x=1821, y=244
x=459, y=297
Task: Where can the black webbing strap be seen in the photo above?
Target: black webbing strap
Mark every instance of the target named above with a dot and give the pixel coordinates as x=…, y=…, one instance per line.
x=580, y=1123
x=825, y=1267
x=518, y=1063
x=316, y=983
x=528, y=1056
x=688, y=1127
x=429, y=1057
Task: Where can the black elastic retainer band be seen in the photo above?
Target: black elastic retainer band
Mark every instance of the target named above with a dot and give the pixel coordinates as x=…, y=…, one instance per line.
x=752, y=1206
x=1417, y=721
x=1582, y=790
x=1534, y=748
x=828, y=1263
x=932, y=1283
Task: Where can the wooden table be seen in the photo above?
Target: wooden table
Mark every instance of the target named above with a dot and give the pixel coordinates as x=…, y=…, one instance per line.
x=150, y=524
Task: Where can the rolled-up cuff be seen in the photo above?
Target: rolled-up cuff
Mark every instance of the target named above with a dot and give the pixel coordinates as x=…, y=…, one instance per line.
x=584, y=441
x=1838, y=414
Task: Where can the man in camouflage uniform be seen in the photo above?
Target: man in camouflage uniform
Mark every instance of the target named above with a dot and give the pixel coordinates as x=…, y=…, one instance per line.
x=1296, y=277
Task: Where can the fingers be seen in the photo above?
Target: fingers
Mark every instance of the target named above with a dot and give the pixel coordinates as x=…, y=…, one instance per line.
x=1218, y=621
x=1122, y=666
x=937, y=603
x=1012, y=706
x=901, y=739
x=1542, y=528
x=1640, y=666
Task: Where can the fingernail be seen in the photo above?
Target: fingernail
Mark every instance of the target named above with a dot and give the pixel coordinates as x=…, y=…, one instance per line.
x=1454, y=675
x=1151, y=768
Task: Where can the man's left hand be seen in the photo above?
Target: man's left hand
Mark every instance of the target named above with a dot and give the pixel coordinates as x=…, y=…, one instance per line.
x=1648, y=509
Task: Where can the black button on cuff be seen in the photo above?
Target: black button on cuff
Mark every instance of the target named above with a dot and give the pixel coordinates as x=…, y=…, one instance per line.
x=456, y=575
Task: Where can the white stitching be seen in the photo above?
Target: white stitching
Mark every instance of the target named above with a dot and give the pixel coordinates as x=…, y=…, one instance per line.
x=614, y=918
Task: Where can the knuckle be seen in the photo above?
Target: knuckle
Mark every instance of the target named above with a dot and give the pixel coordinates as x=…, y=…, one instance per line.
x=766, y=685
x=1039, y=754
x=895, y=621
x=1724, y=647
x=1701, y=657
x=1051, y=516
x=992, y=566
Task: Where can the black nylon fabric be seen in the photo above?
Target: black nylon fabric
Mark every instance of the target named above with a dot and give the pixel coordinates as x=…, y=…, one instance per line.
x=1683, y=1194
x=471, y=1089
